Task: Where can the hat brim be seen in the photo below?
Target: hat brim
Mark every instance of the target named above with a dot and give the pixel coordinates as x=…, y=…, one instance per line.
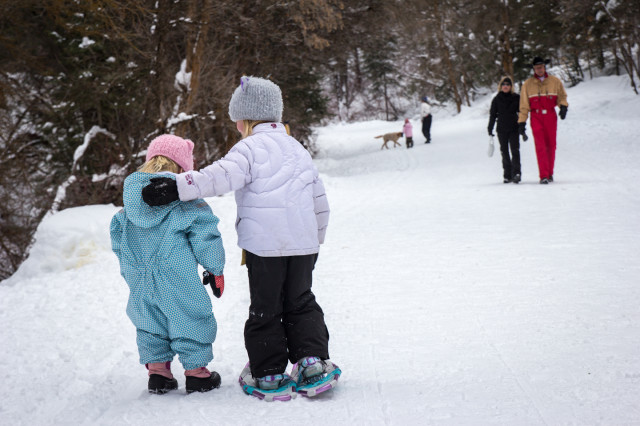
x=545, y=62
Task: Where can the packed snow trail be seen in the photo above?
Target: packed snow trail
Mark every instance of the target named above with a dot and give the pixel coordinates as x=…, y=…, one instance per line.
x=451, y=298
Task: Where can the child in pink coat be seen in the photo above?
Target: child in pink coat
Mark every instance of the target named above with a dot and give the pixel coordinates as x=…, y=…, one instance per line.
x=407, y=129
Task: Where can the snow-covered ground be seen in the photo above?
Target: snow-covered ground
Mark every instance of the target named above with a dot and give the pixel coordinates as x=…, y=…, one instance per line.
x=451, y=298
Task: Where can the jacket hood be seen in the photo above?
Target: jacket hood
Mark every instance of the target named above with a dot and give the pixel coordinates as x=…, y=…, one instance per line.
x=139, y=212
x=510, y=80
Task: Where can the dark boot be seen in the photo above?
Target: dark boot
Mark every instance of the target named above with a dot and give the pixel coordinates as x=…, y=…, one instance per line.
x=203, y=384
x=159, y=384
x=160, y=378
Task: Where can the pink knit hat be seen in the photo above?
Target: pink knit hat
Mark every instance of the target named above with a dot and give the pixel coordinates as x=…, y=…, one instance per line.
x=173, y=147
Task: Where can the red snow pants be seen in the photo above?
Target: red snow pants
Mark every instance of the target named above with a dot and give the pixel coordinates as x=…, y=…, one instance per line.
x=544, y=123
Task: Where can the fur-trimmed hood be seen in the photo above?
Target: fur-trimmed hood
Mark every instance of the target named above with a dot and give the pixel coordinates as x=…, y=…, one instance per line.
x=503, y=79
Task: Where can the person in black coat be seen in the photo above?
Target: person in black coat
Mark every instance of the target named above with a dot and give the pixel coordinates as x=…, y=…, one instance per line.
x=504, y=108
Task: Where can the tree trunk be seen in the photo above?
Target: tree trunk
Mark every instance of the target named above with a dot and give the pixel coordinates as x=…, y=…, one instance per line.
x=386, y=98
x=446, y=56
x=507, y=53
x=197, y=35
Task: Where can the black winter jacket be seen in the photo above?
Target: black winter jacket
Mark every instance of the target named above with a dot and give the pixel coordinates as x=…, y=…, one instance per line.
x=504, y=107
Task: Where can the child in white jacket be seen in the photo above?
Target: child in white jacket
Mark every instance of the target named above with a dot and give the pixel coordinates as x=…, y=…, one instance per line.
x=282, y=216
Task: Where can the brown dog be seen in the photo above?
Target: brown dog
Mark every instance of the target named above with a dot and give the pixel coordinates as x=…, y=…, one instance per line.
x=390, y=137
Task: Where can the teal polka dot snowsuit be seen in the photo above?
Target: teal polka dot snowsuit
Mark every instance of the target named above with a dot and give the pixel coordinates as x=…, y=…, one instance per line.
x=159, y=249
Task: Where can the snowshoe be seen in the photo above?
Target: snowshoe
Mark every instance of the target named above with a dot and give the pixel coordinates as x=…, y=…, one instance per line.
x=203, y=384
x=160, y=384
x=279, y=387
x=314, y=376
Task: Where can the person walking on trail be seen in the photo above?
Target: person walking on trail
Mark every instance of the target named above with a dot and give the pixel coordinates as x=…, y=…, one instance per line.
x=159, y=249
x=540, y=94
x=425, y=113
x=504, y=109
x=407, y=130
x=283, y=215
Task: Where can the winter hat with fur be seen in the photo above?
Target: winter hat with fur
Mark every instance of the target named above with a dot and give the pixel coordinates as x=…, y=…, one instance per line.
x=256, y=99
x=173, y=147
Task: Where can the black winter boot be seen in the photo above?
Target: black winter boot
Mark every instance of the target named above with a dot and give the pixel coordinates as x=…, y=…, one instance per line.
x=203, y=384
x=159, y=384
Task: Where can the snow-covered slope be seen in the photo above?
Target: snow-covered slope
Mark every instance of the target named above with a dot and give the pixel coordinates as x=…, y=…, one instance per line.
x=450, y=297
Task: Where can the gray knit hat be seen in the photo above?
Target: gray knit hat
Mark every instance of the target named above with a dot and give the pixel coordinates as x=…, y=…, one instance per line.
x=256, y=99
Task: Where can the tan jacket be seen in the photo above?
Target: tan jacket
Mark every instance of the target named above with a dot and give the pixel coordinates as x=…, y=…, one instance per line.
x=539, y=95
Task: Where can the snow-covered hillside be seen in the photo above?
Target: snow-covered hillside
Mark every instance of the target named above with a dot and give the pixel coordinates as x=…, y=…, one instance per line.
x=451, y=298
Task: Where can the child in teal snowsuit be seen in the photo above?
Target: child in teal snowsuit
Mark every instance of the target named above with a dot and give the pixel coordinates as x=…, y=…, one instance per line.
x=159, y=249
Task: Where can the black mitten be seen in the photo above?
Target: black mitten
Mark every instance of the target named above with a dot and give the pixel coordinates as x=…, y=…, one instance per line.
x=563, y=112
x=216, y=282
x=522, y=131
x=160, y=191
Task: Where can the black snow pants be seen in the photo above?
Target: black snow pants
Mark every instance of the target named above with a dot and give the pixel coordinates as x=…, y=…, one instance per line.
x=510, y=163
x=426, y=128
x=285, y=321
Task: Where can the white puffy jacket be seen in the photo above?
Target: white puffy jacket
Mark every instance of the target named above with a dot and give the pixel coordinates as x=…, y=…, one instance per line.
x=282, y=205
x=425, y=109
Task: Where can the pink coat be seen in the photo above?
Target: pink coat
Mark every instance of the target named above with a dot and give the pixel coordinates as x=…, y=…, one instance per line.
x=407, y=129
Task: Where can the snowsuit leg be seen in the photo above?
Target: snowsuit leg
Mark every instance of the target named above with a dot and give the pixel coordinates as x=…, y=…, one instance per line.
x=551, y=129
x=285, y=322
x=153, y=347
x=544, y=128
x=426, y=127
x=191, y=353
x=156, y=348
x=172, y=316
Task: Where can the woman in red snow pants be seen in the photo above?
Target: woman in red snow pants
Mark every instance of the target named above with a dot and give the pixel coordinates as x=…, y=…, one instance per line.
x=540, y=94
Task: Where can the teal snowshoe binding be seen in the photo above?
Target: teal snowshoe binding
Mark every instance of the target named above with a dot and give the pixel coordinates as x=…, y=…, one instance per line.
x=278, y=387
x=314, y=376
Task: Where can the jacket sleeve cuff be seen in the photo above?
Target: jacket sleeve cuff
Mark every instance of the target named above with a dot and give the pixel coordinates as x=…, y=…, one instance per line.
x=187, y=189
